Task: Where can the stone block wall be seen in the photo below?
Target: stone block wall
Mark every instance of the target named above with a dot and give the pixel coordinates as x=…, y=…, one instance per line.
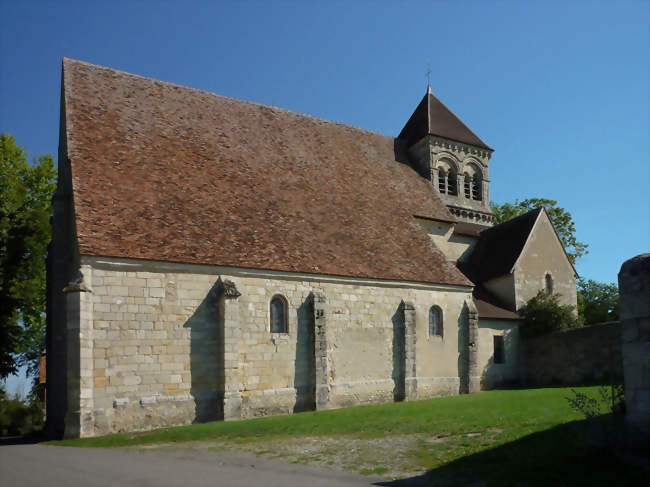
x=588, y=355
x=163, y=347
x=498, y=374
x=531, y=269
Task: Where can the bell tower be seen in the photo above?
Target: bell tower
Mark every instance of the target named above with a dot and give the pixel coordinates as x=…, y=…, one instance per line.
x=444, y=150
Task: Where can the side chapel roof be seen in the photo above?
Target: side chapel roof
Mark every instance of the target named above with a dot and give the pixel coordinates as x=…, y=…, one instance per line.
x=169, y=173
x=469, y=229
x=499, y=247
x=432, y=117
x=490, y=307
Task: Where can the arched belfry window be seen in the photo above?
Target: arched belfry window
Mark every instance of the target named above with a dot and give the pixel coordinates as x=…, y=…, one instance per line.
x=452, y=183
x=467, y=185
x=435, y=321
x=278, y=314
x=476, y=187
x=442, y=181
x=549, y=284
x=473, y=183
x=447, y=178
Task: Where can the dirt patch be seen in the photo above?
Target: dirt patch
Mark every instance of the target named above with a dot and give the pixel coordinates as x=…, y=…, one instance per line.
x=389, y=457
x=392, y=457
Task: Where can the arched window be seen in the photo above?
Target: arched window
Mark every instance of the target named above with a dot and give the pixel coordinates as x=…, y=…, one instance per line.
x=447, y=178
x=467, y=184
x=435, y=321
x=476, y=187
x=473, y=182
x=549, y=284
x=278, y=313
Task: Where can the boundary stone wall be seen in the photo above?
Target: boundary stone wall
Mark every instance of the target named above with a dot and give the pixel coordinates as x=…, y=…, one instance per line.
x=587, y=355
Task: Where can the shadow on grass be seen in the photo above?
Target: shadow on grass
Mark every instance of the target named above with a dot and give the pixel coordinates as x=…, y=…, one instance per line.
x=572, y=454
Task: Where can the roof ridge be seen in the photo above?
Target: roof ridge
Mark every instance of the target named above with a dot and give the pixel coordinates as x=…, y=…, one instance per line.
x=429, y=95
x=240, y=100
x=514, y=219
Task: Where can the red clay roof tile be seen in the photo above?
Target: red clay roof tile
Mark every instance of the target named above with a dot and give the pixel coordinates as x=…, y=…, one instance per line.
x=169, y=173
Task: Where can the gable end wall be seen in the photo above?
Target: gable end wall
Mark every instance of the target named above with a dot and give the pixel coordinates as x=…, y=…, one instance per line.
x=542, y=254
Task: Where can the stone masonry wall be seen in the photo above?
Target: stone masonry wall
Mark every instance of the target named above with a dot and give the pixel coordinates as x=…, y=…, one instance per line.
x=542, y=255
x=588, y=355
x=634, y=286
x=160, y=336
x=508, y=372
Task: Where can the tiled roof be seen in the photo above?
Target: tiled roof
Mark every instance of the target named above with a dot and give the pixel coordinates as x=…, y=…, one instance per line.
x=432, y=117
x=489, y=311
x=499, y=247
x=169, y=173
x=469, y=229
x=489, y=307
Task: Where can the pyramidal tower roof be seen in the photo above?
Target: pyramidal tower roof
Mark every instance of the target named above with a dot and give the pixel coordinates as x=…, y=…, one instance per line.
x=432, y=117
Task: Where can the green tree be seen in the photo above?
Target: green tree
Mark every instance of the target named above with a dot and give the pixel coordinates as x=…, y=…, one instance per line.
x=544, y=314
x=597, y=301
x=562, y=221
x=25, y=209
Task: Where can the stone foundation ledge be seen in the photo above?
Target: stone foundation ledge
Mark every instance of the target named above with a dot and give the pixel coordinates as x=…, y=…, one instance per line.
x=367, y=383
x=429, y=387
x=268, y=402
x=357, y=393
x=144, y=401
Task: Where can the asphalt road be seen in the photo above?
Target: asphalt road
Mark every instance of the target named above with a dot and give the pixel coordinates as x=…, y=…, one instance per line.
x=32, y=465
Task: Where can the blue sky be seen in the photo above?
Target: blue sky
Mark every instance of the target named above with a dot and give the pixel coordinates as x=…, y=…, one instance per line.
x=559, y=89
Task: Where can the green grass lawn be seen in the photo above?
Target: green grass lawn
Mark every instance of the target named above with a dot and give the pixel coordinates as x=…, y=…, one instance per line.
x=506, y=437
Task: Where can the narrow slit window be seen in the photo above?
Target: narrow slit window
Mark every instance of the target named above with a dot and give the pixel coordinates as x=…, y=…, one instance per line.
x=499, y=355
x=278, y=312
x=549, y=284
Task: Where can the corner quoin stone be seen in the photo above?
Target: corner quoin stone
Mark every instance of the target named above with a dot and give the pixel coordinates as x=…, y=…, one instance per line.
x=320, y=350
x=410, y=373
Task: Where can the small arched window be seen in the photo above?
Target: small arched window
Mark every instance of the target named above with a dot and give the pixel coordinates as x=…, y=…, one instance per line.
x=278, y=313
x=549, y=284
x=435, y=321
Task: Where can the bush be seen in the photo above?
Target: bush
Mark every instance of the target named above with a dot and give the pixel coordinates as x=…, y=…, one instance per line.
x=610, y=399
x=18, y=418
x=544, y=314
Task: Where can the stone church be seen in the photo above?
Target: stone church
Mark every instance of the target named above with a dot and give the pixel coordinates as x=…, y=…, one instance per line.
x=214, y=258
